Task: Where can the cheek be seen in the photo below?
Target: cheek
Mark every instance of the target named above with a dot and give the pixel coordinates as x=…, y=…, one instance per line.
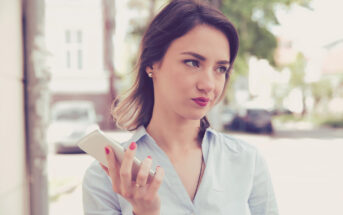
x=180, y=82
x=220, y=88
x=173, y=85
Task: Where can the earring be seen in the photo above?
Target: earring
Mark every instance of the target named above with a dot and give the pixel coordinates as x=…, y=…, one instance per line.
x=150, y=74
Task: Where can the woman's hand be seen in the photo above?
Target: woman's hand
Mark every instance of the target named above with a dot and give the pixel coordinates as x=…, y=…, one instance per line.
x=143, y=196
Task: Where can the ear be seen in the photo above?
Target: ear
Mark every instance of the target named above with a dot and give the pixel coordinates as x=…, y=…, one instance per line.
x=152, y=68
x=149, y=69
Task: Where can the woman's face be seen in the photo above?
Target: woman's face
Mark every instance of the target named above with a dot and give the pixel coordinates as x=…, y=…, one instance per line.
x=190, y=78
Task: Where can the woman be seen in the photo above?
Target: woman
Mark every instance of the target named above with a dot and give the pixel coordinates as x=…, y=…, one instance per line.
x=186, y=57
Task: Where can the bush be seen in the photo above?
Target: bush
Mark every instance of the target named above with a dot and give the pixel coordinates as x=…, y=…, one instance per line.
x=318, y=120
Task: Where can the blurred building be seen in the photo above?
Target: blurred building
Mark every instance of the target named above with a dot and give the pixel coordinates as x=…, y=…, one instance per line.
x=332, y=69
x=333, y=63
x=324, y=68
x=75, y=41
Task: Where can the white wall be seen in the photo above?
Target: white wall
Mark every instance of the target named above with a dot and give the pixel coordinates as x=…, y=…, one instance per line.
x=13, y=174
x=77, y=15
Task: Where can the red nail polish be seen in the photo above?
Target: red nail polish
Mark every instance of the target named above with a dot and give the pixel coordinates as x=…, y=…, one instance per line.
x=149, y=157
x=132, y=146
x=107, y=150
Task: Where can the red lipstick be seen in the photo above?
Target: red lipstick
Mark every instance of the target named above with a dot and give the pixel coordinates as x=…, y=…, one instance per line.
x=201, y=101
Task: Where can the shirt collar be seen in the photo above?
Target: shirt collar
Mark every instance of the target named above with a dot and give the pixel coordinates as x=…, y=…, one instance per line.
x=141, y=132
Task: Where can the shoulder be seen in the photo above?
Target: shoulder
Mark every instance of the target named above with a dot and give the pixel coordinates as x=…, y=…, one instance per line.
x=240, y=151
x=97, y=194
x=234, y=145
x=95, y=173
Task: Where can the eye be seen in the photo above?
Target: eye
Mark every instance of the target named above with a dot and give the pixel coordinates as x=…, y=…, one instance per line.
x=192, y=63
x=222, y=69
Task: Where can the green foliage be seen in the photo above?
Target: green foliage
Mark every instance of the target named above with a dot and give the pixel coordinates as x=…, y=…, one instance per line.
x=139, y=23
x=252, y=19
x=321, y=89
x=316, y=120
x=333, y=122
x=298, y=71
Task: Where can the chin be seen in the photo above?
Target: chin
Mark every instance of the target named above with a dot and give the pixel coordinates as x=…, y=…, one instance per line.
x=195, y=115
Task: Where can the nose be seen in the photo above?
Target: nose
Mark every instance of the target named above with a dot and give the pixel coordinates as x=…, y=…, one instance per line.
x=206, y=80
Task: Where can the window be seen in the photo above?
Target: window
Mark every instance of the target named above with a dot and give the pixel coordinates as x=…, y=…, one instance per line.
x=79, y=36
x=68, y=60
x=74, y=49
x=79, y=59
x=67, y=36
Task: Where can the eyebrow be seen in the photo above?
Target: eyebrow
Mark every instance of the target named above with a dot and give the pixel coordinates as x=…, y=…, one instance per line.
x=202, y=58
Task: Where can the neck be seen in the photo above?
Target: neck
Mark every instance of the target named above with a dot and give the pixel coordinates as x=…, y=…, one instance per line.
x=174, y=133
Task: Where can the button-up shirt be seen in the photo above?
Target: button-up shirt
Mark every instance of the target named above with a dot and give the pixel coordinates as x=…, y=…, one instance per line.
x=236, y=181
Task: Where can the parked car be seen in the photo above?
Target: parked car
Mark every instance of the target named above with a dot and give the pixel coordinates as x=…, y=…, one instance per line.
x=71, y=120
x=227, y=116
x=253, y=120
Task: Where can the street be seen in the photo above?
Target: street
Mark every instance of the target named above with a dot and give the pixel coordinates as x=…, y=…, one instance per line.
x=305, y=166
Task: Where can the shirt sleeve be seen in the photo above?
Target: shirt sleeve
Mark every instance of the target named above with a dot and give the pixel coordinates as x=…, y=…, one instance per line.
x=262, y=199
x=97, y=194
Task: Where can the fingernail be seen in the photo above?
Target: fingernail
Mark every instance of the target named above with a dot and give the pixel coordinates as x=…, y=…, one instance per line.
x=157, y=167
x=149, y=157
x=132, y=146
x=107, y=150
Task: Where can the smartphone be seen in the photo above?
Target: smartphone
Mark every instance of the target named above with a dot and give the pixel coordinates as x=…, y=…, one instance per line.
x=94, y=144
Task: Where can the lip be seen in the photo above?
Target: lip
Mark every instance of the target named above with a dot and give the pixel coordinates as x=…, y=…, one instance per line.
x=201, y=101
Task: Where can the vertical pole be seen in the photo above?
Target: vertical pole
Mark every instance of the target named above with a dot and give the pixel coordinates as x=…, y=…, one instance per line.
x=36, y=78
x=108, y=7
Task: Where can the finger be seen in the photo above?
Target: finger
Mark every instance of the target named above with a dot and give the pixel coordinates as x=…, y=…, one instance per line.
x=125, y=169
x=144, y=170
x=113, y=169
x=156, y=182
x=104, y=168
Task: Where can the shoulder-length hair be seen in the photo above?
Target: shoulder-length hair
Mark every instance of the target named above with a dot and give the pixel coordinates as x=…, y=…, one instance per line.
x=135, y=108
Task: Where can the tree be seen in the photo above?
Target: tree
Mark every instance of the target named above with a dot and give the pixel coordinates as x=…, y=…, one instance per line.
x=298, y=78
x=140, y=23
x=321, y=90
x=252, y=19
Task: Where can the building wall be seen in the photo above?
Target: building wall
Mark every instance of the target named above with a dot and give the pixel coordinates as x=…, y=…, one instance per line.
x=77, y=16
x=14, y=198
x=68, y=80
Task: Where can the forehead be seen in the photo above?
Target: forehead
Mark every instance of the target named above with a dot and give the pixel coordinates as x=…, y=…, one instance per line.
x=204, y=40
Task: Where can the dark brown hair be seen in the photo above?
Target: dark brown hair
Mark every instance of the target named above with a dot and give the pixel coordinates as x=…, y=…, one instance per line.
x=175, y=20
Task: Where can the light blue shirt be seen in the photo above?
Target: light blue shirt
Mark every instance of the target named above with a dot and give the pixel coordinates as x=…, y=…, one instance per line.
x=236, y=181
